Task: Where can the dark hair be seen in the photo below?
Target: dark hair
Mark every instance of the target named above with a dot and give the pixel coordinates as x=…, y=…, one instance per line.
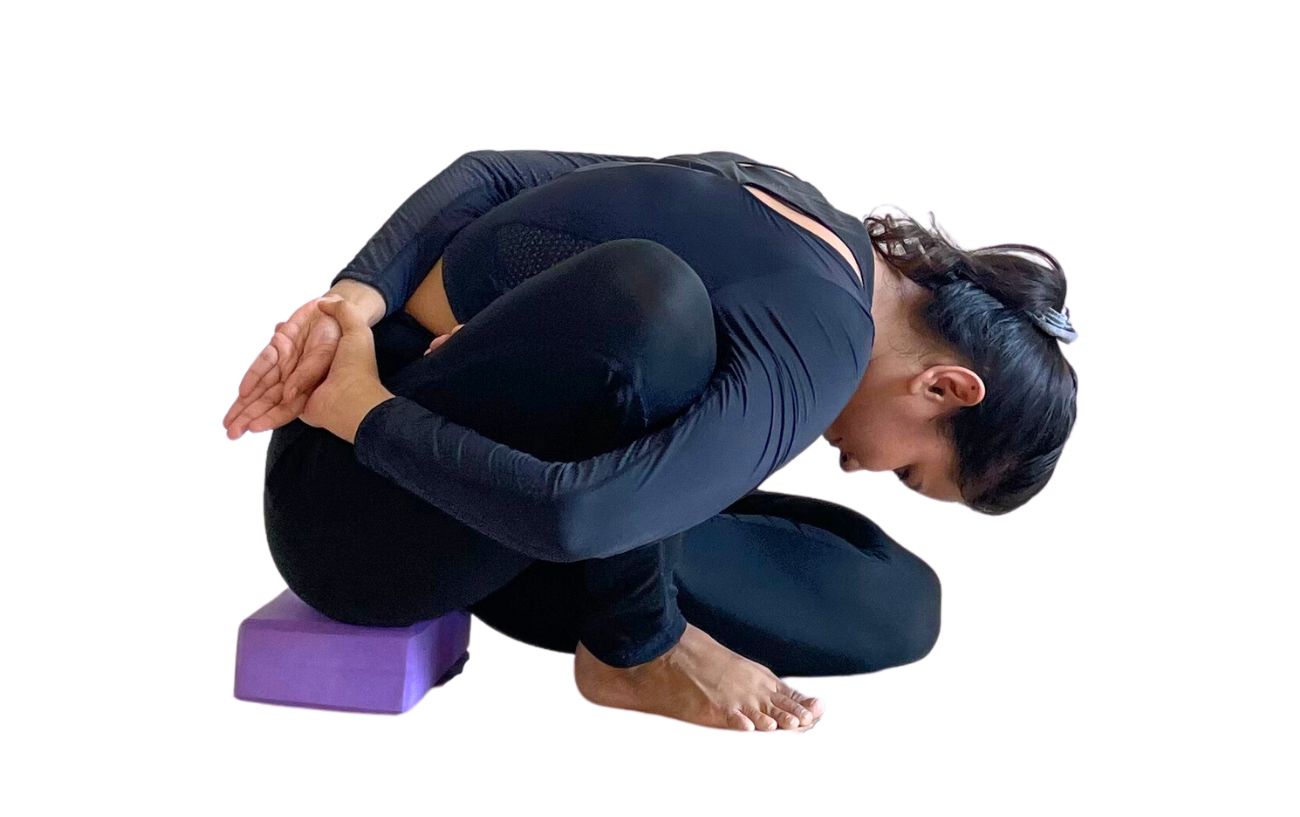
x=1007, y=445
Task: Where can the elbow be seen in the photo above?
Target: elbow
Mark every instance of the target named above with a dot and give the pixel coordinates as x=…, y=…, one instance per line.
x=572, y=531
x=581, y=531
x=551, y=530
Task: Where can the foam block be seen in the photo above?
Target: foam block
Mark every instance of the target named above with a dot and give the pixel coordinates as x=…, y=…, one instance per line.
x=290, y=654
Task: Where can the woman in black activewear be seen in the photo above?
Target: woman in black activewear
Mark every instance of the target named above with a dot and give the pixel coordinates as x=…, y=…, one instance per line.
x=643, y=343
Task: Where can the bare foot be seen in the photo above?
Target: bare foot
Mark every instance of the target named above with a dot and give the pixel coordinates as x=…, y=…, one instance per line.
x=698, y=681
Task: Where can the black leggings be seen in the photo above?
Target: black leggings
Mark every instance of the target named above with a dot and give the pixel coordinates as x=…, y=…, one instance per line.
x=801, y=585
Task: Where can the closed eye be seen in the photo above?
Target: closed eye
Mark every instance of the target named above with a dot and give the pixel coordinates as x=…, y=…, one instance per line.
x=903, y=474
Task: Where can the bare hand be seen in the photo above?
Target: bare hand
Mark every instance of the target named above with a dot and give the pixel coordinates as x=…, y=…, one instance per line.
x=352, y=387
x=441, y=339
x=277, y=385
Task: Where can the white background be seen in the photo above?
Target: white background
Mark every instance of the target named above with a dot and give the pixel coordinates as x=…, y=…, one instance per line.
x=178, y=177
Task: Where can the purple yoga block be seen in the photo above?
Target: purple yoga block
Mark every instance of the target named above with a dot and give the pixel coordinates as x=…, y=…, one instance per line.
x=290, y=654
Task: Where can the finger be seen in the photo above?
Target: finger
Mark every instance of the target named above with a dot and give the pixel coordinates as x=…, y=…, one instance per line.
x=348, y=316
x=356, y=342
x=441, y=339
x=295, y=330
x=288, y=348
x=270, y=377
x=356, y=352
x=256, y=409
x=270, y=362
x=279, y=414
x=249, y=386
x=272, y=366
x=319, y=349
x=276, y=399
x=264, y=362
x=300, y=329
x=438, y=341
x=311, y=370
x=294, y=337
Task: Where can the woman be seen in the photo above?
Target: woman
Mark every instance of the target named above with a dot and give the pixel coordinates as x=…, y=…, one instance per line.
x=637, y=345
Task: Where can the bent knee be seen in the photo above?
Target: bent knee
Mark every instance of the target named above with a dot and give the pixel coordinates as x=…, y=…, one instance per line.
x=906, y=627
x=891, y=615
x=665, y=337
x=656, y=291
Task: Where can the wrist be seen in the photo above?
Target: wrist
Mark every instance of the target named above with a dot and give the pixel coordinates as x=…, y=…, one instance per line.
x=364, y=296
x=359, y=402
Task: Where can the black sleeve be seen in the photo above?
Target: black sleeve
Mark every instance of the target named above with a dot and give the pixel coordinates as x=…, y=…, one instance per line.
x=792, y=350
x=398, y=257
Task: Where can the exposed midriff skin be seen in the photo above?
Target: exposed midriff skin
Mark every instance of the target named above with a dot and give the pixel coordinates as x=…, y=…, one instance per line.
x=429, y=305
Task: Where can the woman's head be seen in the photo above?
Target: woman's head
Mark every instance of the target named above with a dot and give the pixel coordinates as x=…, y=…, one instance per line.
x=967, y=396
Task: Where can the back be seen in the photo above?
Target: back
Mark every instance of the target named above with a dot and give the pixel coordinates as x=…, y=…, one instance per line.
x=710, y=221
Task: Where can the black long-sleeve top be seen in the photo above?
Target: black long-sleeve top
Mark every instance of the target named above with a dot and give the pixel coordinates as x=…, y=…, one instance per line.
x=797, y=334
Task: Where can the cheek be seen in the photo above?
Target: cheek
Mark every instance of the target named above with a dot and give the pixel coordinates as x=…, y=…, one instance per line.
x=879, y=455
x=874, y=438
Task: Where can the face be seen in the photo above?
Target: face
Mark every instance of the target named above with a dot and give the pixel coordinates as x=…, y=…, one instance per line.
x=894, y=420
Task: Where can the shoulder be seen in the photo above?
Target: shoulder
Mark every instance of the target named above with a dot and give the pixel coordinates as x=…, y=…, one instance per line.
x=798, y=291
x=801, y=316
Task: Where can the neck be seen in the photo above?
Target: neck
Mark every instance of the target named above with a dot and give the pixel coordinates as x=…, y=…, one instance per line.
x=894, y=299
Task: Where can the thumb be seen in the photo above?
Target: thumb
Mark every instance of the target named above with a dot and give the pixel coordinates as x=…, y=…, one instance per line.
x=349, y=317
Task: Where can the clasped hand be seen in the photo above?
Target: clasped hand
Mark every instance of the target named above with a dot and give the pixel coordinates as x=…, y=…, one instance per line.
x=320, y=365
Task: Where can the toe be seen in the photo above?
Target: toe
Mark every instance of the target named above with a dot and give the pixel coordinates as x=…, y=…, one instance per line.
x=815, y=706
x=737, y=720
x=763, y=721
x=781, y=711
x=810, y=703
x=786, y=720
x=801, y=713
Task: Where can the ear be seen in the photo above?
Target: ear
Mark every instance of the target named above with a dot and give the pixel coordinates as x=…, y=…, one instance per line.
x=955, y=386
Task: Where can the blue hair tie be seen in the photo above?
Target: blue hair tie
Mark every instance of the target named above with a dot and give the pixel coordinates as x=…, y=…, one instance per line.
x=1056, y=324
